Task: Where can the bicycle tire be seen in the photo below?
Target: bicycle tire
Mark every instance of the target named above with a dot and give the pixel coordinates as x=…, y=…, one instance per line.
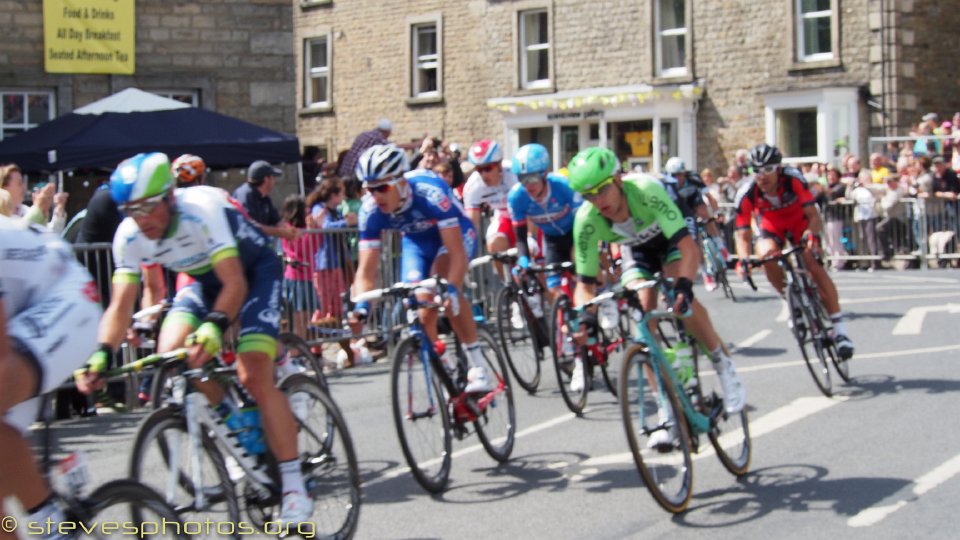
x=493, y=426
x=305, y=360
x=664, y=465
x=564, y=363
x=609, y=367
x=525, y=365
x=729, y=433
x=101, y=506
x=329, y=462
x=160, y=431
x=160, y=386
x=431, y=405
x=804, y=329
x=840, y=365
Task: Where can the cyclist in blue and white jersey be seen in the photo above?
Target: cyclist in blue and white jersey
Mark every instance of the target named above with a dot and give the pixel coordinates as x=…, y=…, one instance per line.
x=238, y=277
x=546, y=201
x=438, y=239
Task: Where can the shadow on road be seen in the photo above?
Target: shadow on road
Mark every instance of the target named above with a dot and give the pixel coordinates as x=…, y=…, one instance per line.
x=870, y=386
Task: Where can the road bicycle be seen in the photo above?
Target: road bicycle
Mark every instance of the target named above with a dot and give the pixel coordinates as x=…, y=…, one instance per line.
x=187, y=451
x=809, y=321
x=654, y=400
x=713, y=262
x=133, y=506
x=429, y=404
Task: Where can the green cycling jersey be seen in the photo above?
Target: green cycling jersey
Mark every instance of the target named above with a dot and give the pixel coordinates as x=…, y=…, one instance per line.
x=655, y=224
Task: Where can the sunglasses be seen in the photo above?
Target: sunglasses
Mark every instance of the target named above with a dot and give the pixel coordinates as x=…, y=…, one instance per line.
x=599, y=190
x=485, y=168
x=767, y=169
x=531, y=178
x=381, y=188
x=144, y=207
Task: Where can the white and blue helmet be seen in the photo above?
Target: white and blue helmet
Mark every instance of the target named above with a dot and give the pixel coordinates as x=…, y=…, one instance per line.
x=531, y=158
x=141, y=176
x=381, y=161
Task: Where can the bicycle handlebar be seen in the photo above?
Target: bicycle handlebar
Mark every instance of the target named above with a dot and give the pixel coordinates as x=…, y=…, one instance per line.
x=400, y=289
x=753, y=263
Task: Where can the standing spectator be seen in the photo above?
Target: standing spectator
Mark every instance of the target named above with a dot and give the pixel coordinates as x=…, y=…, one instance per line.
x=851, y=170
x=310, y=164
x=741, y=160
x=45, y=198
x=946, y=129
x=254, y=195
x=893, y=226
x=712, y=191
x=946, y=185
x=878, y=168
x=924, y=143
x=298, y=258
x=365, y=140
x=865, y=216
x=833, y=217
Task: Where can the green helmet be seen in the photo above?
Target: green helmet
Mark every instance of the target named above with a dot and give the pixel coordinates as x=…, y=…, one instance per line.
x=592, y=166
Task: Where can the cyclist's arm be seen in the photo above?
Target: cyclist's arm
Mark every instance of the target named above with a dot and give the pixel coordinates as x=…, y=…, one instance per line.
x=744, y=237
x=116, y=318
x=474, y=215
x=520, y=230
x=814, y=224
x=689, y=257
x=366, y=278
x=234, y=292
x=708, y=224
x=452, y=238
x=154, y=286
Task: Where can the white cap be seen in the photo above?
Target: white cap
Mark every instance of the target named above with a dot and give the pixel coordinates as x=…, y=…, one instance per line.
x=385, y=125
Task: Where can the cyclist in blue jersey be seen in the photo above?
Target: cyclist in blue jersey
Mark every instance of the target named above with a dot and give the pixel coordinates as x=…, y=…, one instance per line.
x=199, y=231
x=546, y=201
x=438, y=239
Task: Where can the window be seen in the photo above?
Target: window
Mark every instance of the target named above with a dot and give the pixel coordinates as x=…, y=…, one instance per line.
x=190, y=97
x=809, y=125
x=22, y=110
x=797, y=132
x=425, y=43
x=534, y=49
x=316, y=69
x=671, y=32
x=814, y=30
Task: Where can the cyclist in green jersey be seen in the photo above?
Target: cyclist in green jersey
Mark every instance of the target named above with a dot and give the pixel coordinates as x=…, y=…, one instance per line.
x=638, y=214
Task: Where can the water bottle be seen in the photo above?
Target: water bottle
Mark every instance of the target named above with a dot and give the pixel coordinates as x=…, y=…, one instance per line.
x=609, y=315
x=535, y=305
x=254, y=443
x=683, y=364
x=448, y=360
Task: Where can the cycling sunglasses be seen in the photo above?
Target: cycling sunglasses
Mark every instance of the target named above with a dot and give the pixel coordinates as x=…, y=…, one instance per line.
x=598, y=190
x=767, y=169
x=485, y=168
x=143, y=207
x=531, y=178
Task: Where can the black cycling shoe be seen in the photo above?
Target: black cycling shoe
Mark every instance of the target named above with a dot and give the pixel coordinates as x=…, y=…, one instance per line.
x=844, y=347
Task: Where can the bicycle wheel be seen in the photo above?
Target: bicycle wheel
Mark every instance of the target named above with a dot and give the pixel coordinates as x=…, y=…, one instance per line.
x=611, y=362
x=497, y=422
x=327, y=455
x=128, y=502
x=829, y=344
x=161, y=386
x=520, y=346
x=806, y=330
x=729, y=433
x=298, y=352
x=650, y=407
x=565, y=353
x=421, y=417
x=163, y=459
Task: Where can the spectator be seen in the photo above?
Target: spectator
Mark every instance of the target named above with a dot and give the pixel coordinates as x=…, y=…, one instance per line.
x=946, y=185
x=44, y=198
x=429, y=154
x=865, y=216
x=833, y=217
x=946, y=129
x=254, y=195
x=878, y=168
x=892, y=230
x=922, y=147
x=365, y=140
x=310, y=163
x=851, y=170
x=741, y=160
x=298, y=255
x=5, y=207
x=324, y=203
x=713, y=195
x=923, y=179
x=444, y=170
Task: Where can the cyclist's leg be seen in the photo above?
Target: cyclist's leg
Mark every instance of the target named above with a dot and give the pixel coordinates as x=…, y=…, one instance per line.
x=828, y=290
x=500, y=237
x=641, y=265
x=188, y=310
x=769, y=242
x=463, y=324
x=557, y=249
x=416, y=258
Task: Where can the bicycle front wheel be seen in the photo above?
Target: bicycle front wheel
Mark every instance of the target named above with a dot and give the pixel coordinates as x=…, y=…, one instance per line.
x=656, y=430
x=807, y=330
x=729, y=433
x=298, y=352
x=565, y=353
x=163, y=458
x=421, y=417
x=497, y=422
x=829, y=344
x=327, y=457
x=520, y=346
x=129, y=502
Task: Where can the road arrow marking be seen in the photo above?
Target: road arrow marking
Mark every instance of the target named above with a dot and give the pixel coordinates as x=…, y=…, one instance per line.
x=912, y=321
x=940, y=474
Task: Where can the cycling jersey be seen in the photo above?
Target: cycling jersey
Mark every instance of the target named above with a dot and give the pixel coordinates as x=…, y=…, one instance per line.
x=654, y=227
x=205, y=228
x=555, y=215
x=51, y=306
x=477, y=194
x=778, y=214
x=691, y=193
x=430, y=207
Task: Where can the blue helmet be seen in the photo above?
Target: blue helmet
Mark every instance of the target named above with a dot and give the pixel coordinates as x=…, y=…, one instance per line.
x=531, y=158
x=143, y=175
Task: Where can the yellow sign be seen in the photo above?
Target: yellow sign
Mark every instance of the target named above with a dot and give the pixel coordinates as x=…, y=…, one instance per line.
x=89, y=36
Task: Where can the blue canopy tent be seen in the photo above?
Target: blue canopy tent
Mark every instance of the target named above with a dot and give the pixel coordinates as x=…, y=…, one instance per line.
x=102, y=134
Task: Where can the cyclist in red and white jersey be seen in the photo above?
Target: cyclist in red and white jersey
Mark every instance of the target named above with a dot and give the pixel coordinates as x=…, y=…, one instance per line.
x=779, y=197
x=488, y=187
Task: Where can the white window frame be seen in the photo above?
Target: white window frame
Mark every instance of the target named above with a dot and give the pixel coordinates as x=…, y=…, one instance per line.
x=676, y=71
x=192, y=95
x=800, y=17
x=310, y=73
x=28, y=123
x=525, y=47
x=422, y=62
x=838, y=119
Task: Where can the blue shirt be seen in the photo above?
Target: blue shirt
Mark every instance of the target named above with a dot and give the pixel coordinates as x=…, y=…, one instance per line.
x=259, y=207
x=430, y=208
x=555, y=215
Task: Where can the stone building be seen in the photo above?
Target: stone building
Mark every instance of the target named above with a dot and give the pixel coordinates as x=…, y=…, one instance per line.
x=649, y=78
x=232, y=57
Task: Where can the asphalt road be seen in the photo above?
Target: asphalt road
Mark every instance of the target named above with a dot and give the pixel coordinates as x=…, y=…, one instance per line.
x=876, y=461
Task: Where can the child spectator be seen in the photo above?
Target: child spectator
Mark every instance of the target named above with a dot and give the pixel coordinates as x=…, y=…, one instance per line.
x=298, y=258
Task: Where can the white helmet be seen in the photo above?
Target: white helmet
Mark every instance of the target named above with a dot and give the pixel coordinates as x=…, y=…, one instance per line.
x=381, y=161
x=674, y=165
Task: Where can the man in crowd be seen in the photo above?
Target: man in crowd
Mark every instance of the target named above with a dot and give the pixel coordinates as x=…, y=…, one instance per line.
x=254, y=195
x=363, y=141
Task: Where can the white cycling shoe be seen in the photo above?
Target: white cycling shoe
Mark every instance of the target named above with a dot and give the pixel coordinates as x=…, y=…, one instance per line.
x=734, y=394
x=577, y=379
x=663, y=439
x=296, y=508
x=478, y=381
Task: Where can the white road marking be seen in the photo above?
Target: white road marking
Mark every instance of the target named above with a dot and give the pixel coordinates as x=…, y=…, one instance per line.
x=875, y=514
x=849, y=301
x=912, y=321
x=856, y=358
x=754, y=339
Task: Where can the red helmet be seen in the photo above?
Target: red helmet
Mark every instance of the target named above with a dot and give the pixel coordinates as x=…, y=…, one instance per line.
x=189, y=170
x=484, y=152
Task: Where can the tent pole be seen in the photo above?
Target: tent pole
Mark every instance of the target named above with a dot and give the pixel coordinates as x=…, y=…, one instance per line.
x=300, y=176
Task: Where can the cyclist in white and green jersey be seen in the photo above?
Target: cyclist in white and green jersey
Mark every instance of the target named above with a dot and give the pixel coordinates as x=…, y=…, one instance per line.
x=637, y=214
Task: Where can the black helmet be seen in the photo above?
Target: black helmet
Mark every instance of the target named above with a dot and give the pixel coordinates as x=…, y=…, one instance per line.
x=763, y=154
